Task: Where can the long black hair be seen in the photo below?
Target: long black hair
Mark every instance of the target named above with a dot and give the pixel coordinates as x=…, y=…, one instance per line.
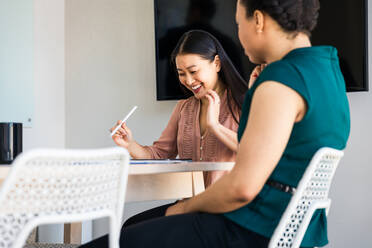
x=207, y=46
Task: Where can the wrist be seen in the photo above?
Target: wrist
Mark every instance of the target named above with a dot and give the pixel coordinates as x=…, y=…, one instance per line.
x=131, y=146
x=215, y=128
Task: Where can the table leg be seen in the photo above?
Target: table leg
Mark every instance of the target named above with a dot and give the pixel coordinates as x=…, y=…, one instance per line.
x=197, y=182
x=72, y=233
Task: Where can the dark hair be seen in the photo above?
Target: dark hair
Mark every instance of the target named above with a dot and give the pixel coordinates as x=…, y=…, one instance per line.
x=207, y=46
x=292, y=15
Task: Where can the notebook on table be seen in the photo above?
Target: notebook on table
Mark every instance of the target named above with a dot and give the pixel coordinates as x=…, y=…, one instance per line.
x=158, y=161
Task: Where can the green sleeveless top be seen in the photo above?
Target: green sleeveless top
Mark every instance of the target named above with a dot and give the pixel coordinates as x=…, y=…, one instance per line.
x=314, y=73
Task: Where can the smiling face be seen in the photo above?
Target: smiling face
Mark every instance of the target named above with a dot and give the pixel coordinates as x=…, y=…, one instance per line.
x=198, y=74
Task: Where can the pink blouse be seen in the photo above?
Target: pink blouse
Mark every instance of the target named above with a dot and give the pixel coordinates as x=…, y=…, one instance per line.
x=182, y=137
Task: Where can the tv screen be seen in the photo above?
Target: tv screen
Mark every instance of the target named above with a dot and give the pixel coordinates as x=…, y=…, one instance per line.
x=342, y=23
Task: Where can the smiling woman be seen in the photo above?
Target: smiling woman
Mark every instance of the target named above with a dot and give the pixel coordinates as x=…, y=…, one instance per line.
x=202, y=127
x=198, y=74
x=200, y=60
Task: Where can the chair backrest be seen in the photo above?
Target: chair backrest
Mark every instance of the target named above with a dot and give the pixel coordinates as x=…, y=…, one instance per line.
x=48, y=186
x=311, y=194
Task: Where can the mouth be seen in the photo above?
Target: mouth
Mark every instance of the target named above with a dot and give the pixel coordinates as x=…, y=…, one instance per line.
x=196, y=88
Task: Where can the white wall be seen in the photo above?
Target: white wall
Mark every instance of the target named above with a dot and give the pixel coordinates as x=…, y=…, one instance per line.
x=49, y=76
x=110, y=66
x=17, y=48
x=110, y=58
x=48, y=128
x=350, y=216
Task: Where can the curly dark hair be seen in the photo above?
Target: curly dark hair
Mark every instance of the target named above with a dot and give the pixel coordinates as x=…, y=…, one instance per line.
x=293, y=16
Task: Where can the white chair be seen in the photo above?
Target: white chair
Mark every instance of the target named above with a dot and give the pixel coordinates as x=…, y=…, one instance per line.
x=47, y=186
x=311, y=194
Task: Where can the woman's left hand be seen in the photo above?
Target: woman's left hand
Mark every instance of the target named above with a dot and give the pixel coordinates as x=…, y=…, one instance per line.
x=213, y=111
x=178, y=208
x=255, y=73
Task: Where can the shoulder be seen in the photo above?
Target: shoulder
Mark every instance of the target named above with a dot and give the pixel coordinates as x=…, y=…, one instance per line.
x=186, y=103
x=282, y=69
x=228, y=110
x=287, y=73
x=229, y=107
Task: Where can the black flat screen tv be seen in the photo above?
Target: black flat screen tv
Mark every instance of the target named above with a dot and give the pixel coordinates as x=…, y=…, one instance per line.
x=342, y=24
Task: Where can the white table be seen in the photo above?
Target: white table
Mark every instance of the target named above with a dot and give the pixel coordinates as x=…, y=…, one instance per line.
x=153, y=182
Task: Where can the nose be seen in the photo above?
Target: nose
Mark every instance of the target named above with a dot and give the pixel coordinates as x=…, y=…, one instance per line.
x=189, y=80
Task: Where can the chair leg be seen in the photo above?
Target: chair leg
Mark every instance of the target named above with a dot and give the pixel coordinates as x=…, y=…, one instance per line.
x=32, y=238
x=114, y=234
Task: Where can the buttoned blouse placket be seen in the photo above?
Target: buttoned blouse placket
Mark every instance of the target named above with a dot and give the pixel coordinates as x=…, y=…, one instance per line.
x=198, y=133
x=201, y=147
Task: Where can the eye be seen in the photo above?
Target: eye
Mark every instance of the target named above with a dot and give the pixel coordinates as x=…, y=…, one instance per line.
x=193, y=72
x=181, y=74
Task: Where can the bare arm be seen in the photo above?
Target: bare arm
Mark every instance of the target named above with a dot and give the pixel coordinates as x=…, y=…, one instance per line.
x=274, y=110
x=124, y=138
x=137, y=151
x=225, y=135
x=164, y=147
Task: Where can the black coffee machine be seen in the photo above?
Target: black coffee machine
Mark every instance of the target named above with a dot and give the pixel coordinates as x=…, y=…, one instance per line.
x=10, y=141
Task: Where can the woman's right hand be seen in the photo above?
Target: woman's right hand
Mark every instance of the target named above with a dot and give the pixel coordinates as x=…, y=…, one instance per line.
x=255, y=73
x=123, y=136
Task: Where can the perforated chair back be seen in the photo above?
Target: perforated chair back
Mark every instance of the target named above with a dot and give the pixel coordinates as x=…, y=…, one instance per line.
x=48, y=186
x=311, y=194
